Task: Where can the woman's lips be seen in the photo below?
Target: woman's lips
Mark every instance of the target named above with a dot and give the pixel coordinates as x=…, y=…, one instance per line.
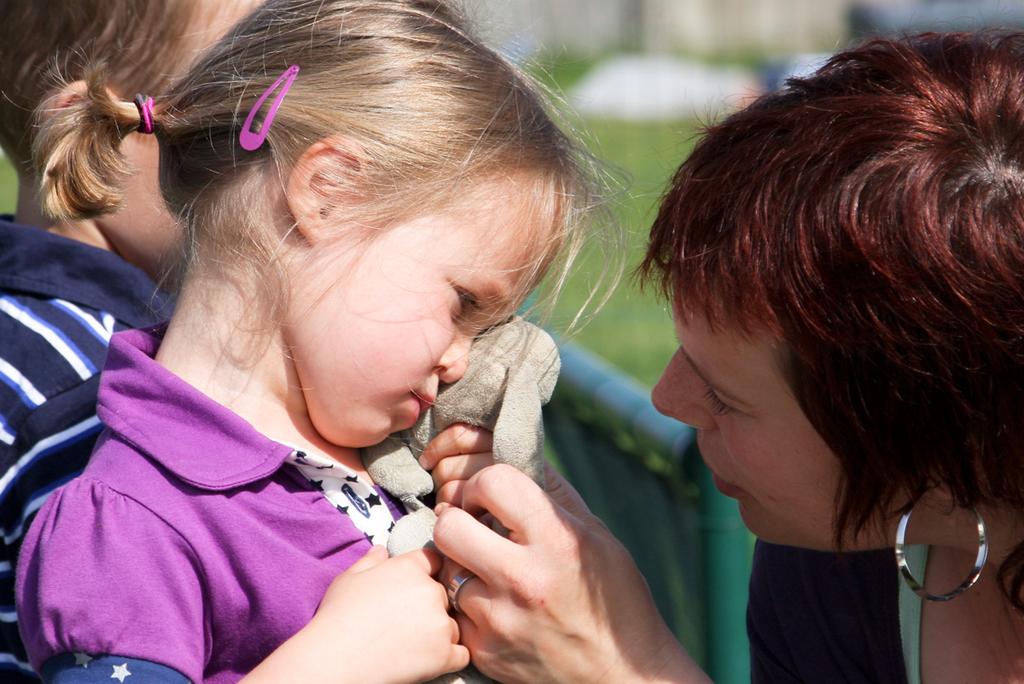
x=727, y=488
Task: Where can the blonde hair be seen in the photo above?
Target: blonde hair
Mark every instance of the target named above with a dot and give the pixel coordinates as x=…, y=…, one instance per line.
x=428, y=107
x=46, y=42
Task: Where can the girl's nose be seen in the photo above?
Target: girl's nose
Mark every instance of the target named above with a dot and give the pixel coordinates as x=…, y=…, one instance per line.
x=452, y=364
x=679, y=394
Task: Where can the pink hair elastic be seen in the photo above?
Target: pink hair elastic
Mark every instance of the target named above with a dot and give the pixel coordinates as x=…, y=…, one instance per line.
x=144, y=103
x=251, y=140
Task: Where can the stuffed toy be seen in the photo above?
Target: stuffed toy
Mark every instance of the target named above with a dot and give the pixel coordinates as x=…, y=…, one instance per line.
x=510, y=375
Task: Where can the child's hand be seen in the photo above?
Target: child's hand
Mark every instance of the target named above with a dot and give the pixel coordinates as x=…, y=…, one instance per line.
x=382, y=620
x=454, y=456
x=401, y=617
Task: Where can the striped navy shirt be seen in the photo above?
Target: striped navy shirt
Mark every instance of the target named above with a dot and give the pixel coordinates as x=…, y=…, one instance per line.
x=60, y=301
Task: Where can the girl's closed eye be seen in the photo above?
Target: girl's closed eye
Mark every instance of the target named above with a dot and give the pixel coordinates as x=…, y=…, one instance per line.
x=470, y=313
x=718, y=407
x=468, y=302
x=478, y=313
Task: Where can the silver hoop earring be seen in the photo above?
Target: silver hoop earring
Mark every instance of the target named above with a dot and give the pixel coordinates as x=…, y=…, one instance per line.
x=908, y=577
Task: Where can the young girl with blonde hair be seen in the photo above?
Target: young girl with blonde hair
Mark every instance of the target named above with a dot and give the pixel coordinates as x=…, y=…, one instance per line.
x=364, y=188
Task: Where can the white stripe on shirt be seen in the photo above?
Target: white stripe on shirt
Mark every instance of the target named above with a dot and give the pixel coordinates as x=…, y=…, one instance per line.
x=20, y=384
x=56, y=339
x=43, y=446
x=6, y=436
x=108, y=323
x=86, y=319
x=9, y=659
x=34, y=504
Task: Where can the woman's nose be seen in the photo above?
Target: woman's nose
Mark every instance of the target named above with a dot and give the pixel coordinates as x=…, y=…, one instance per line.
x=452, y=364
x=679, y=394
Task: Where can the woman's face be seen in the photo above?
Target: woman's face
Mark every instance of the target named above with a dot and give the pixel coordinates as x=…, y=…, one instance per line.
x=752, y=434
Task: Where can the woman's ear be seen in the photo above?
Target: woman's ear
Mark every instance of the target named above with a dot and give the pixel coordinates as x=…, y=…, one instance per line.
x=323, y=180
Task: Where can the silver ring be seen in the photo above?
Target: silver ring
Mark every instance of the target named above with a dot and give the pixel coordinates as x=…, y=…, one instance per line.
x=915, y=586
x=455, y=585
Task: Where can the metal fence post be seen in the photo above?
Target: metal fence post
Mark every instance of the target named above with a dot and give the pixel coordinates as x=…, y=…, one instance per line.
x=726, y=566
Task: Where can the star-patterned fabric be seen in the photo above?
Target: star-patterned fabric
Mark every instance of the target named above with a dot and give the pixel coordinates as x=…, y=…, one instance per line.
x=86, y=668
x=349, y=494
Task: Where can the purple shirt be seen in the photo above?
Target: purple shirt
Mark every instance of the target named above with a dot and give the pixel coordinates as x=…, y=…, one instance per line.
x=187, y=541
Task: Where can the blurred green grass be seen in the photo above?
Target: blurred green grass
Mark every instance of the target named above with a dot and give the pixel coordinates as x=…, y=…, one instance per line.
x=8, y=186
x=633, y=330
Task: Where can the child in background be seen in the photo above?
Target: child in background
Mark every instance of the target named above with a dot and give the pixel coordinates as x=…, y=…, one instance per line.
x=365, y=188
x=66, y=286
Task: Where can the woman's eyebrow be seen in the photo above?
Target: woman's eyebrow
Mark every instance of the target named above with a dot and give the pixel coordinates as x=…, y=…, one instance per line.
x=713, y=385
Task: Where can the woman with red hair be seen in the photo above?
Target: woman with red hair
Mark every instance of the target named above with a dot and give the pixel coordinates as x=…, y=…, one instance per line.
x=845, y=260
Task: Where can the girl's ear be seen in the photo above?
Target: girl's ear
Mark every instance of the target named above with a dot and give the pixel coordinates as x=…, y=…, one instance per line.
x=323, y=180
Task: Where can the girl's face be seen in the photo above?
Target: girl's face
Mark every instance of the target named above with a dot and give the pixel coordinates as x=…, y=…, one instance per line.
x=752, y=434
x=371, y=346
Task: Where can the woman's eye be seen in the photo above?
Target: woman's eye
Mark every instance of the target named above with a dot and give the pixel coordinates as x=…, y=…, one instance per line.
x=718, y=407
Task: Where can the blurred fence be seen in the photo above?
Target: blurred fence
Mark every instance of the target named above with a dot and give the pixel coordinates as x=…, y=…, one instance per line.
x=693, y=26
x=725, y=27
x=640, y=472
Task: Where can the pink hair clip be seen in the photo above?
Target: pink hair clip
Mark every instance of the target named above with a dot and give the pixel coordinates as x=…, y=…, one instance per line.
x=251, y=140
x=144, y=103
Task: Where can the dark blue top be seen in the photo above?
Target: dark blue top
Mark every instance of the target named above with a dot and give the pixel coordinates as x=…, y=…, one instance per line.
x=60, y=300
x=823, y=617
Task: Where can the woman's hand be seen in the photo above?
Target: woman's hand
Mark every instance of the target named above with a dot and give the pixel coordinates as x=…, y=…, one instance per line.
x=382, y=620
x=560, y=600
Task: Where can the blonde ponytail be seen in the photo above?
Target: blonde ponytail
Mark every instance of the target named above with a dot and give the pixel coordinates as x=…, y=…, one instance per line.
x=77, y=150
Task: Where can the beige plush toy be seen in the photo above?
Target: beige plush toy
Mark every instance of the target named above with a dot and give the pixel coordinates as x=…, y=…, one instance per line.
x=511, y=374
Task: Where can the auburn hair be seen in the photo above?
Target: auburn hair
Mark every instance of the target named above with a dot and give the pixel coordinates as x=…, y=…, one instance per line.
x=871, y=216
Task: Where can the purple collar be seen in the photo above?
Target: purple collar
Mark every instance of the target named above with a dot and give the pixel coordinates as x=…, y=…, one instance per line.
x=197, y=439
